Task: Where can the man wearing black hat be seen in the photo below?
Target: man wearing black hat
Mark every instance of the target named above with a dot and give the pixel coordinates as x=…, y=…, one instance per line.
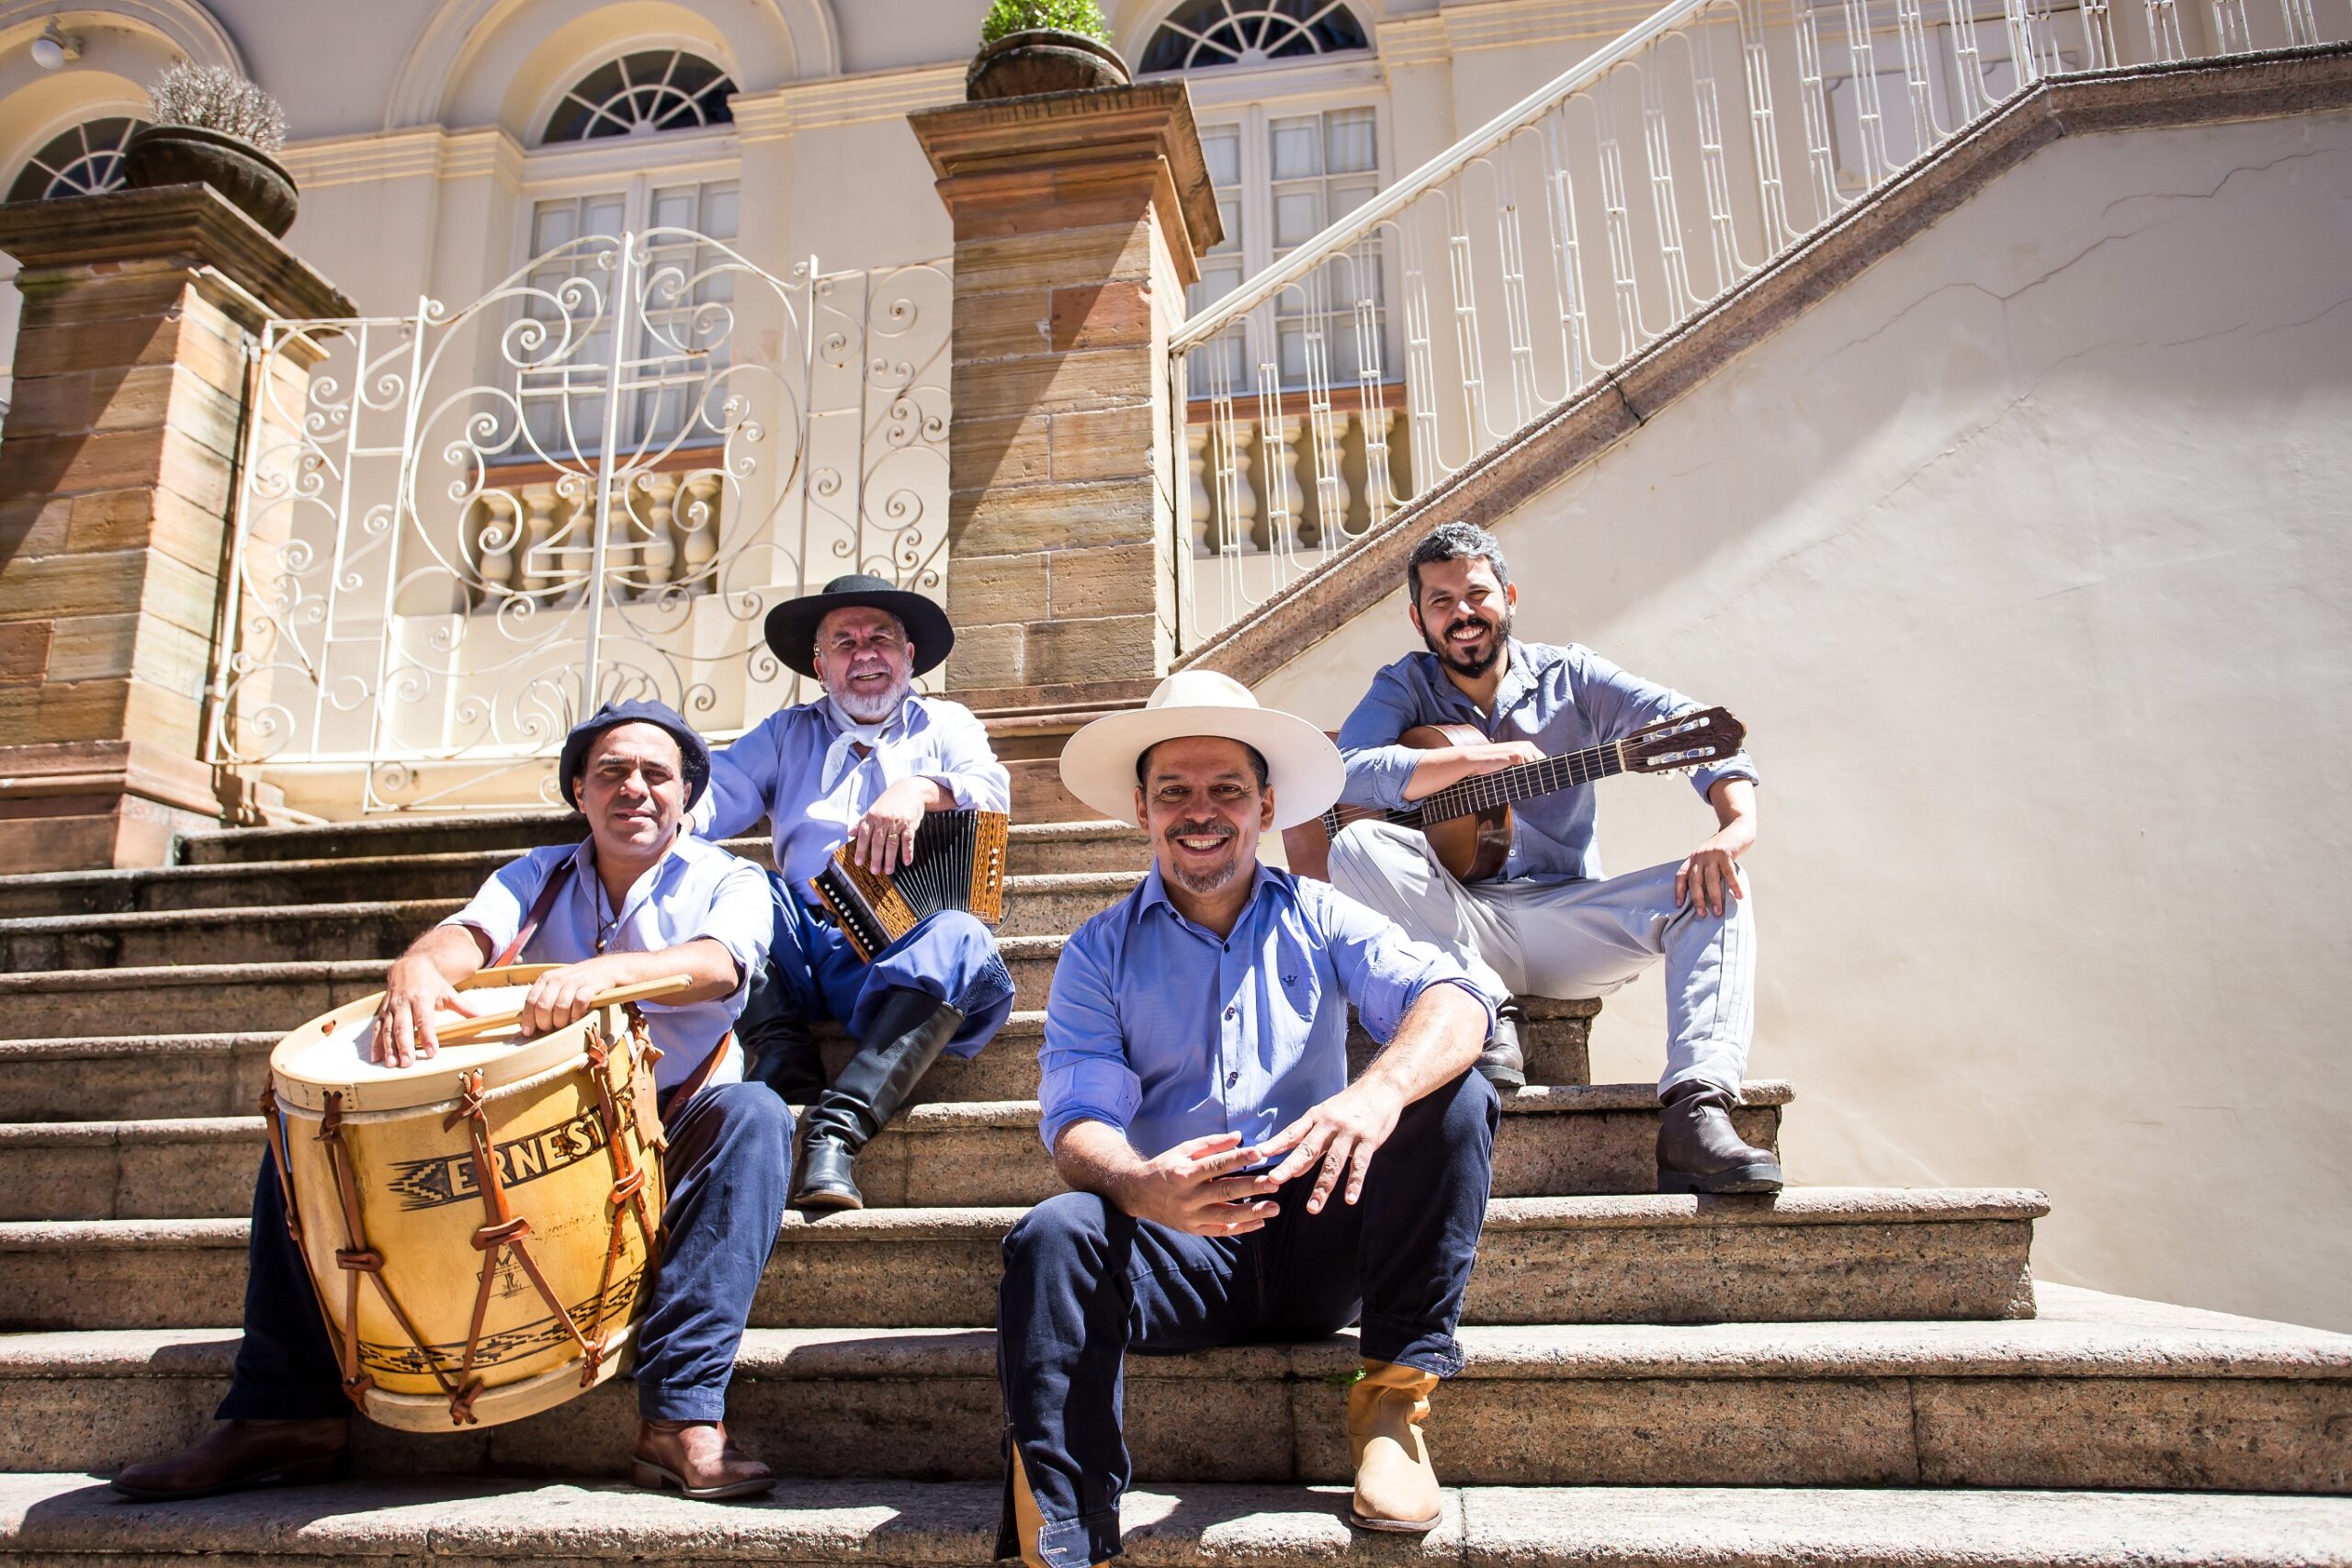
x=637, y=900
x=860, y=765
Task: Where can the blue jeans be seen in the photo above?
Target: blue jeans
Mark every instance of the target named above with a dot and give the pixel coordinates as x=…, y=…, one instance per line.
x=949, y=955
x=1085, y=1283
x=727, y=1166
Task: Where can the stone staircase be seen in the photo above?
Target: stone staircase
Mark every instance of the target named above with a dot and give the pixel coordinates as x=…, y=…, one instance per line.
x=1874, y=1371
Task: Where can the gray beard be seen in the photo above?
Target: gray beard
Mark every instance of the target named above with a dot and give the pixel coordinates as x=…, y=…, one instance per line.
x=874, y=710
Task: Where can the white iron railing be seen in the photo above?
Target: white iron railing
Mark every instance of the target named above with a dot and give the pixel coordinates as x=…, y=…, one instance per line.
x=456, y=532
x=1514, y=270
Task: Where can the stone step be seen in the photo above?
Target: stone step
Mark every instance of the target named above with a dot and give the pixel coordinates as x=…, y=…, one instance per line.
x=145, y=1078
x=1588, y=1138
x=56, y=1011
x=51, y=1519
x=1034, y=849
x=2097, y=1392
x=1811, y=1254
x=1034, y=905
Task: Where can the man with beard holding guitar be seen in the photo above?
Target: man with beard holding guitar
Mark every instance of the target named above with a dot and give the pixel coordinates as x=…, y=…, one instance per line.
x=1551, y=923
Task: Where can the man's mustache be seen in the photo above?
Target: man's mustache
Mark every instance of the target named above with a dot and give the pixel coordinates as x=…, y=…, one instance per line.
x=1202, y=830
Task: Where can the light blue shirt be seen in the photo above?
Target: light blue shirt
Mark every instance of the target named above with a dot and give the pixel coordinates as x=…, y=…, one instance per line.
x=1166, y=1031
x=800, y=769
x=1562, y=699
x=696, y=890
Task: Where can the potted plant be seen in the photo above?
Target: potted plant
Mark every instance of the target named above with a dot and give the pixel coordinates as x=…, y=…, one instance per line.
x=213, y=127
x=1044, y=46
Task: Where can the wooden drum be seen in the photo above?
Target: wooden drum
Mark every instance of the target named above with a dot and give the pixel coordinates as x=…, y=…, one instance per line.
x=481, y=1227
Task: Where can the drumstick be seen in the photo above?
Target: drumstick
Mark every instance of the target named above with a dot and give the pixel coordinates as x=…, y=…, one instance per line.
x=644, y=991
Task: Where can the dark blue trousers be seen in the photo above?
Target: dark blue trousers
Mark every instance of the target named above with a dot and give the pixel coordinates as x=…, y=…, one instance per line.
x=949, y=955
x=728, y=1165
x=1085, y=1283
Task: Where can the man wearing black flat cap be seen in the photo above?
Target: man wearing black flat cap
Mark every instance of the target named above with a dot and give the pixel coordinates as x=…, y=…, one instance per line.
x=636, y=901
x=861, y=764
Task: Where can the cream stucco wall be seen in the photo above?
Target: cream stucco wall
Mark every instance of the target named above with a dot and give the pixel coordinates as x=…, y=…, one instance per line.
x=2029, y=557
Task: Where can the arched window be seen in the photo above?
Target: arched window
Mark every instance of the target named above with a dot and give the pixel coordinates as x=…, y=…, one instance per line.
x=660, y=89
x=81, y=161
x=1251, y=32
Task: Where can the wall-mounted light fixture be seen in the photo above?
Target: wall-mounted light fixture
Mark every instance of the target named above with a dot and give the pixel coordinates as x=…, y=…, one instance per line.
x=54, y=48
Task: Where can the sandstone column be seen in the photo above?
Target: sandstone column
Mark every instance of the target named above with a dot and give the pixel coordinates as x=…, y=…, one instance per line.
x=1078, y=217
x=118, y=482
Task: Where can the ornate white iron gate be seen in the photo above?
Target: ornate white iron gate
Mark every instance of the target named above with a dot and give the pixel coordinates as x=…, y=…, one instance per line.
x=456, y=532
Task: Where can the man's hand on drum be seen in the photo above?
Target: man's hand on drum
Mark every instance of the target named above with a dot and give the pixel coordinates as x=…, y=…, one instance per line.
x=415, y=991
x=566, y=996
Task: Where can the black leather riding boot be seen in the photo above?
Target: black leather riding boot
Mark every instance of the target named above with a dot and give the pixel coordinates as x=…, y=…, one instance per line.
x=1700, y=1151
x=1502, y=1063
x=778, y=1050
x=910, y=1029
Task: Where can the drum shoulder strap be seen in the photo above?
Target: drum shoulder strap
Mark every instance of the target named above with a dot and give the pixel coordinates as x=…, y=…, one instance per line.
x=699, y=1080
x=548, y=892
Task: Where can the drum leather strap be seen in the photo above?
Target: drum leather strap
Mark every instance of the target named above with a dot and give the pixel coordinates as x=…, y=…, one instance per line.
x=627, y=1196
x=355, y=1259
x=503, y=1231
x=549, y=890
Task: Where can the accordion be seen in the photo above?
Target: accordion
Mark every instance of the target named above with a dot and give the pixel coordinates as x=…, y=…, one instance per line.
x=959, y=864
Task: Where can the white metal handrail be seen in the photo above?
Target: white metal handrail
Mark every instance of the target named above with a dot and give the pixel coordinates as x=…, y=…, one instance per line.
x=1366, y=220
x=1541, y=254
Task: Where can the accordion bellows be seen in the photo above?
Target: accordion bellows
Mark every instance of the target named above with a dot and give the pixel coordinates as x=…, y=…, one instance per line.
x=959, y=864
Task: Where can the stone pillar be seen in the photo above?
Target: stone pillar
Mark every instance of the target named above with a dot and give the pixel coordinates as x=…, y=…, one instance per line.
x=1077, y=219
x=117, y=483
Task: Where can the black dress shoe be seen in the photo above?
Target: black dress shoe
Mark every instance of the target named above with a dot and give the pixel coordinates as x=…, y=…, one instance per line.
x=236, y=1455
x=1502, y=1063
x=1700, y=1151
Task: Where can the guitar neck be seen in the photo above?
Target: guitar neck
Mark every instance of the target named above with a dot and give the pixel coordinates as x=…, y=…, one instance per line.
x=1508, y=786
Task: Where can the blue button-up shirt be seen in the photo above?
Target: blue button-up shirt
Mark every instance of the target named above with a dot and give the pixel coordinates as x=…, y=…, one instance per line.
x=1166, y=1031
x=1562, y=699
x=695, y=890
x=800, y=769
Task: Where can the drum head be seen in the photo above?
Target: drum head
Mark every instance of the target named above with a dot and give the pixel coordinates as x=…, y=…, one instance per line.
x=331, y=1053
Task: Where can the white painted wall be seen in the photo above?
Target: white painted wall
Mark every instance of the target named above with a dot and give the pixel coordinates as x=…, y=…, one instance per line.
x=2029, y=557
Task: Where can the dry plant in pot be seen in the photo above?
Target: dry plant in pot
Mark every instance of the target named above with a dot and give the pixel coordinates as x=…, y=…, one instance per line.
x=213, y=127
x=1044, y=46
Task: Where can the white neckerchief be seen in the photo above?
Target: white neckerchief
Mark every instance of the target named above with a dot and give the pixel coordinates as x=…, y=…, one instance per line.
x=838, y=757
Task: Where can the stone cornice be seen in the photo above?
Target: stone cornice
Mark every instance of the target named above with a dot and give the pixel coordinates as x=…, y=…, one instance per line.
x=360, y=160
x=1516, y=24
x=846, y=100
x=192, y=223
x=1036, y=136
x=1549, y=449
x=1413, y=40
x=469, y=154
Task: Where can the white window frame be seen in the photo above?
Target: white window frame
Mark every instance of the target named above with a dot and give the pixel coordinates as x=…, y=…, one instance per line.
x=617, y=166
x=1337, y=83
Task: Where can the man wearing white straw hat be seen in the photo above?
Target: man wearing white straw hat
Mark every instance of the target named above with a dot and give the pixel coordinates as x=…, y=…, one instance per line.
x=1230, y=1184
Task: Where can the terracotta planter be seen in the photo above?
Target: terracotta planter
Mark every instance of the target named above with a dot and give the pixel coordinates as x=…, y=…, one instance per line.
x=248, y=177
x=1043, y=60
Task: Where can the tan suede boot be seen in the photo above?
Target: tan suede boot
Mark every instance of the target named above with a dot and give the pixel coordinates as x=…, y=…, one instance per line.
x=1395, y=1486
x=1026, y=1519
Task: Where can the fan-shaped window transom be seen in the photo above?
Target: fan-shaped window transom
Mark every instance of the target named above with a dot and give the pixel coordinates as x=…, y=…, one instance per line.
x=1207, y=33
x=641, y=94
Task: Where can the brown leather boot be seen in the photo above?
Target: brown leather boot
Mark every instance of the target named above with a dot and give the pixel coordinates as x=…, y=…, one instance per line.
x=1700, y=1151
x=695, y=1458
x=1395, y=1484
x=235, y=1455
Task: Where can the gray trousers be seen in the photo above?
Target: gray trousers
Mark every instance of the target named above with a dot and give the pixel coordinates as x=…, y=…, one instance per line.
x=1575, y=939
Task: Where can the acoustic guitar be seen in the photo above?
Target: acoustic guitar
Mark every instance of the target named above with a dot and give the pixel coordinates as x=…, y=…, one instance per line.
x=1468, y=823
